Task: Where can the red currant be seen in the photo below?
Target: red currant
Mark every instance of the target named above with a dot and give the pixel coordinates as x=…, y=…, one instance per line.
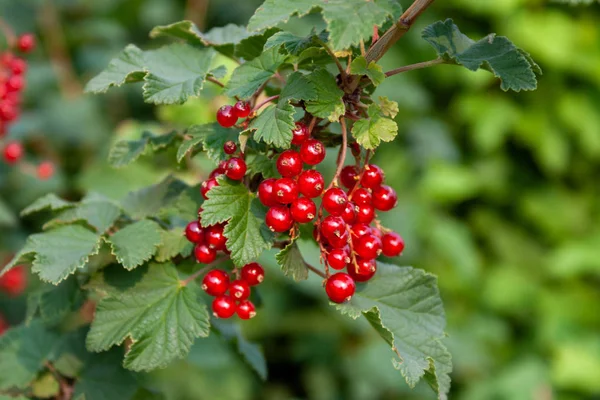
x=340, y=287
x=18, y=66
x=8, y=112
x=13, y=152
x=367, y=246
x=289, y=164
x=332, y=226
x=338, y=258
x=334, y=201
x=242, y=109
x=375, y=231
x=299, y=134
x=338, y=241
x=14, y=281
x=206, y=186
x=349, y=176
x=355, y=148
x=372, y=177
x=194, y=232
x=229, y=147
x=392, y=244
x=384, y=198
x=253, y=273
x=246, y=310
x=312, y=152
x=239, y=289
x=216, y=282
x=215, y=239
x=303, y=210
x=266, y=192
x=360, y=229
x=15, y=83
x=26, y=42
x=204, y=254
x=311, y=183
x=286, y=190
x=361, y=196
x=363, y=270
x=45, y=170
x=349, y=214
x=226, y=117
x=236, y=168
x=223, y=306
x=365, y=213
x=279, y=219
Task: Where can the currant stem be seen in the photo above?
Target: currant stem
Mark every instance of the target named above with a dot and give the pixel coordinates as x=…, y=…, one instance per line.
x=411, y=67
x=267, y=100
x=315, y=270
x=342, y=156
x=335, y=59
x=202, y=271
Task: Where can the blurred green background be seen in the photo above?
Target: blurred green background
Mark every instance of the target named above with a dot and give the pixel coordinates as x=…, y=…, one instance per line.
x=498, y=197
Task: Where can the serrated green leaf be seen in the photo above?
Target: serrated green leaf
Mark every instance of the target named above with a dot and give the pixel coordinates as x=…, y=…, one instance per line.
x=496, y=54
x=246, y=232
x=161, y=316
x=103, y=378
x=370, y=132
x=253, y=46
x=292, y=263
x=261, y=164
x=405, y=307
x=212, y=137
x=372, y=70
x=298, y=87
x=150, y=201
x=49, y=201
x=173, y=243
x=56, y=254
x=55, y=302
x=329, y=103
x=45, y=386
x=250, y=76
x=136, y=243
x=97, y=213
x=125, y=152
x=128, y=66
x=388, y=107
x=293, y=44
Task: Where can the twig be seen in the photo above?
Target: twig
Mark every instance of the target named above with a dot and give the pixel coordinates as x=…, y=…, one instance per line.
x=215, y=81
x=195, y=11
x=315, y=270
x=342, y=156
x=201, y=271
x=65, y=389
x=335, y=59
x=265, y=101
x=412, y=67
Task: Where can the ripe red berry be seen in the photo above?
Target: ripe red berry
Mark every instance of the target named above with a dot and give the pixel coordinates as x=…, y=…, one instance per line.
x=338, y=241
x=286, y=190
x=253, y=273
x=223, y=306
x=18, y=66
x=299, y=134
x=216, y=282
x=289, y=164
x=392, y=244
x=15, y=83
x=303, y=210
x=311, y=183
x=340, y=287
x=332, y=226
x=367, y=246
x=204, y=254
x=360, y=229
x=355, y=148
x=215, y=239
x=279, y=219
x=13, y=152
x=14, y=281
x=365, y=213
x=349, y=176
x=226, y=117
x=194, y=232
x=266, y=192
x=246, y=310
x=375, y=231
x=372, y=177
x=334, y=201
x=26, y=42
x=361, y=196
x=242, y=109
x=206, y=186
x=384, y=198
x=8, y=111
x=349, y=214
x=312, y=152
x=236, y=168
x=239, y=289
x=45, y=170
x=338, y=258
x=363, y=270
x=229, y=147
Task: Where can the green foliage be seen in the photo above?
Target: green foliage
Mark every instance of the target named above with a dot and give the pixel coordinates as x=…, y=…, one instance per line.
x=291, y=262
x=329, y=103
x=249, y=77
x=370, y=132
x=136, y=243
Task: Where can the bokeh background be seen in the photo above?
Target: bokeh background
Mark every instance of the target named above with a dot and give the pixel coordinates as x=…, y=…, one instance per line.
x=499, y=196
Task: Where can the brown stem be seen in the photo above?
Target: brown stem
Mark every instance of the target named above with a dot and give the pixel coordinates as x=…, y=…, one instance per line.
x=204, y=270
x=411, y=67
x=65, y=389
x=195, y=11
x=315, y=270
x=335, y=59
x=342, y=157
x=265, y=101
x=215, y=81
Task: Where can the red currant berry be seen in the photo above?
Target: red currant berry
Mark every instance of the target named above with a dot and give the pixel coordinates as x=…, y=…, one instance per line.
x=242, y=109
x=360, y=229
x=334, y=201
x=13, y=152
x=6, y=58
x=236, y=168
x=15, y=83
x=340, y=287
x=246, y=310
x=355, y=148
x=14, y=281
x=337, y=241
x=384, y=198
x=266, y=192
x=26, y=42
x=365, y=213
x=375, y=231
x=253, y=273
x=206, y=186
x=229, y=147
x=204, y=254
x=349, y=176
x=338, y=258
x=372, y=177
x=303, y=210
x=222, y=167
x=215, y=239
x=8, y=112
x=216, y=282
x=194, y=232
x=392, y=244
x=311, y=183
x=349, y=214
x=289, y=164
x=18, y=66
x=312, y=152
x=226, y=117
x=45, y=170
x=299, y=134
x=215, y=173
x=239, y=289
x=286, y=190
x=223, y=307
x=363, y=270
x=332, y=226
x=361, y=196
x=367, y=246
x=279, y=219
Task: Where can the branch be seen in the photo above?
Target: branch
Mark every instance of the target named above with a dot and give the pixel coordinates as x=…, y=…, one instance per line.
x=315, y=270
x=267, y=100
x=335, y=59
x=204, y=270
x=412, y=67
x=215, y=81
x=342, y=156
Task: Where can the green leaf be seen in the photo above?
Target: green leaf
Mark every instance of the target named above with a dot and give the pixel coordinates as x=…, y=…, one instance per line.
x=159, y=315
x=253, y=46
x=212, y=137
x=49, y=201
x=370, y=132
x=56, y=254
x=127, y=67
x=388, y=107
x=98, y=213
x=497, y=54
x=246, y=232
x=292, y=263
x=173, y=243
x=7, y=216
x=329, y=103
x=293, y=44
x=55, y=302
x=250, y=76
x=125, y=152
x=136, y=243
x=150, y=201
x=261, y=164
x=45, y=386
x=103, y=378
x=404, y=306
x=23, y=353
x=373, y=71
